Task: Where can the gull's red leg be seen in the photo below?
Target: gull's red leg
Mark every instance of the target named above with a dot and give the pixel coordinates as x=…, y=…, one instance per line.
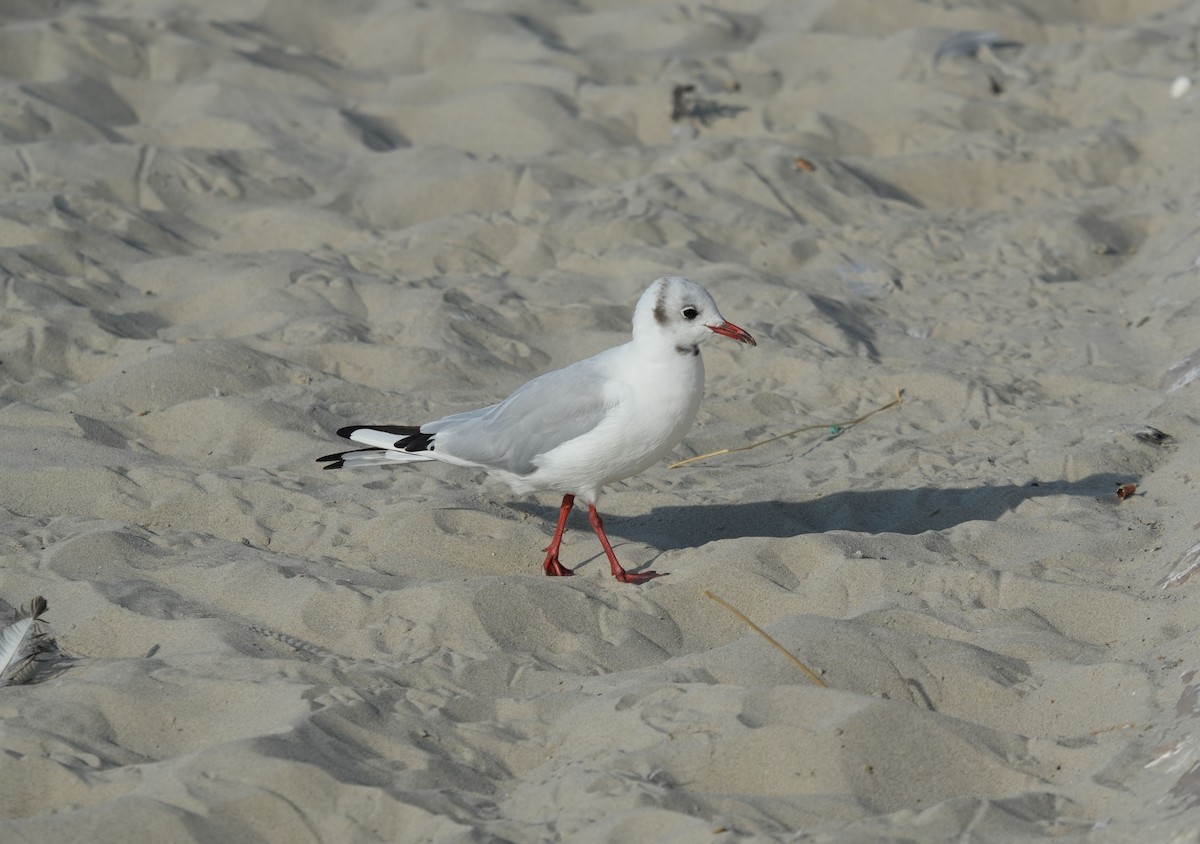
x=552, y=566
x=618, y=572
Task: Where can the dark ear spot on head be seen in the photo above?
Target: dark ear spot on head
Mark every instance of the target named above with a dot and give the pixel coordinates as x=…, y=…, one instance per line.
x=660, y=307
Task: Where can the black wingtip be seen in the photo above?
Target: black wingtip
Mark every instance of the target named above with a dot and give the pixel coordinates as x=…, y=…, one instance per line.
x=337, y=461
x=398, y=430
x=416, y=442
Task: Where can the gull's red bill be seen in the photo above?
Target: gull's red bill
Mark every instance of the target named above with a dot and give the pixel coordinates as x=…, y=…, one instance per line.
x=733, y=332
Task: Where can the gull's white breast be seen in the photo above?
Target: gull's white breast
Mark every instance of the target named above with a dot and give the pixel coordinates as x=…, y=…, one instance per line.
x=652, y=405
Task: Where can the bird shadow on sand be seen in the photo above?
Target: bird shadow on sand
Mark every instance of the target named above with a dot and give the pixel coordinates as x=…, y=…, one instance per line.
x=907, y=511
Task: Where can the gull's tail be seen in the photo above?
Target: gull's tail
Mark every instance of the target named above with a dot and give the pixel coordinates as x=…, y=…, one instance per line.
x=388, y=444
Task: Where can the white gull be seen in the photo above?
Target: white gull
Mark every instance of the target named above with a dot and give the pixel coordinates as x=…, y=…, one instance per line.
x=582, y=427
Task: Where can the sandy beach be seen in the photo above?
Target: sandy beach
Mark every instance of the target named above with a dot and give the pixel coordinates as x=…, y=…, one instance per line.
x=229, y=229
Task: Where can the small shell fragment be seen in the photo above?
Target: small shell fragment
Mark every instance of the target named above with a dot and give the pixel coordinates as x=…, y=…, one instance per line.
x=1126, y=490
x=1180, y=86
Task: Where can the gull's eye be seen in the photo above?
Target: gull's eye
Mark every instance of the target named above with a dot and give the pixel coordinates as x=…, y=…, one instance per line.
x=690, y=313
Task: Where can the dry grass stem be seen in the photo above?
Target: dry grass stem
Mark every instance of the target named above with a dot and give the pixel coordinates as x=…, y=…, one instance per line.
x=807, y=671
x=836, y=428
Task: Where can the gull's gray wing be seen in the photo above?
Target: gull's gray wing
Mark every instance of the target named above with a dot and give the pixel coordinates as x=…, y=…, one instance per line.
x=545, y=413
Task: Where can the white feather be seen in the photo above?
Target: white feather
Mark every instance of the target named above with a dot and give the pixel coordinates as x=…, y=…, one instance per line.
x=379, y=439
x=20, y=644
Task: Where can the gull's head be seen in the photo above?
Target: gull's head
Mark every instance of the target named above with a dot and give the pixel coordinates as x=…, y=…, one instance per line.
x=681, y=312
